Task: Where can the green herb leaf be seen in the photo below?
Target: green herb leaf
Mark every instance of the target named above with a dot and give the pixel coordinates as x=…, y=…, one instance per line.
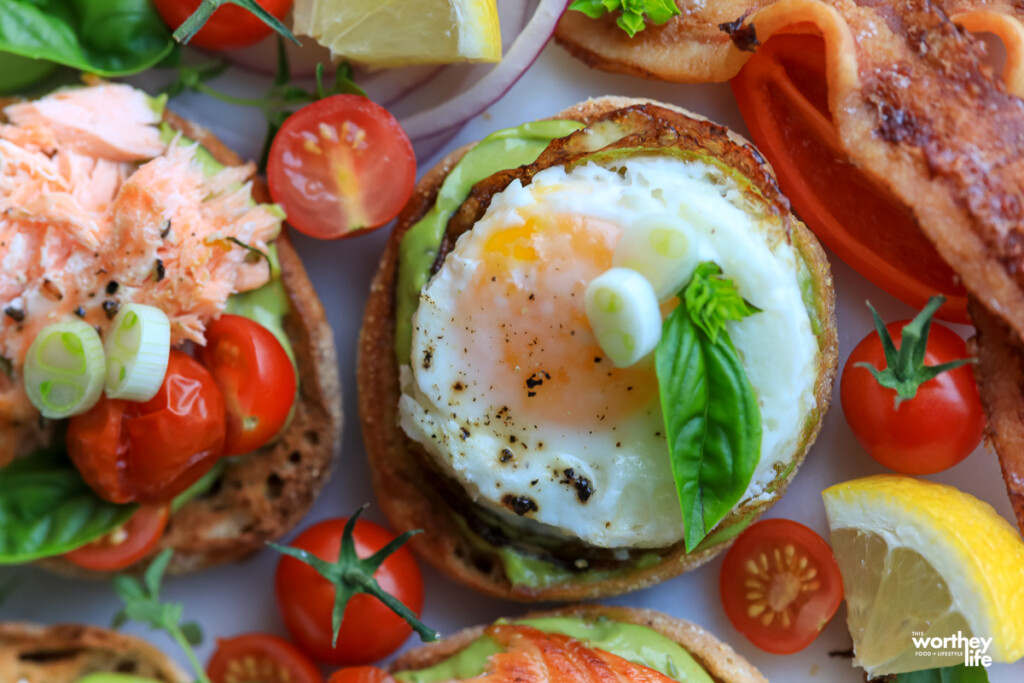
x=352, y=575
x=633, y=13
x=712, y=420
x=142, y=604
x=904, y=369
x=711, y=300
x=950, y=674
x=104, y=37
x=47, y=509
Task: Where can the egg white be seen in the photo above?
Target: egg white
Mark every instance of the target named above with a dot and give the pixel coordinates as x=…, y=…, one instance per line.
x=608, y=485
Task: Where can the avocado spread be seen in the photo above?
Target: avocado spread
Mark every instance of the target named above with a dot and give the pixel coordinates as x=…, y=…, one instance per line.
x=499, y=151
x=632, y=642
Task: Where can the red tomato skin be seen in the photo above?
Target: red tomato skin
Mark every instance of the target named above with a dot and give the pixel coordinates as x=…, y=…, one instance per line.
x=229, y=28
x=369, y=630
x=260, y=650
x=255, y=376
x=360, y=674
x=932, y=432
x=143, y=532
x=814, y=614
x=150, y=452
x=351, y=177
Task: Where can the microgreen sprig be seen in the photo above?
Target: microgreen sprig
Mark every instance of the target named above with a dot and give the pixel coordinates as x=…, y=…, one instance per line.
x=142, y=604
x=632, y=13
x=712, y=299
x=352, y=575
x=904, y=369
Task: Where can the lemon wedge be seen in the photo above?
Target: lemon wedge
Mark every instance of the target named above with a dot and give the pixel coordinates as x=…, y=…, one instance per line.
x=388, y=33
x=923, y=561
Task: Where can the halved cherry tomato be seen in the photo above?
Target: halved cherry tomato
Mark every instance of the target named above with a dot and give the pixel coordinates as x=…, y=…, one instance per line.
x=783, y=97
x=150, y=452
x=780, y=585
x=361, y=674
x=256, y=377
x=230, y=27
x=341, y=166
x=369, y=630
x=260, y=658
x=127, y=544
x=929, y=433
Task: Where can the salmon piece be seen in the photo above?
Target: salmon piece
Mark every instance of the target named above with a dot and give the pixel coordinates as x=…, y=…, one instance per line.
x=532, y=656
x=112, y=121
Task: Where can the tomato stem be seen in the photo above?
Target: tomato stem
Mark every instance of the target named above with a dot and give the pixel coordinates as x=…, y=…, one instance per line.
x=351, y=575
x=198, y=19
x=905, y=370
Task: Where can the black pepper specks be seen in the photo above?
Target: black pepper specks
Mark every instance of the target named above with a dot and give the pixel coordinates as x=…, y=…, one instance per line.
x=15, y=313
x=458, y=386
x=584, y=488
x=463, y=433
x=80, y=312
x=506, y=455
x=521, y=505
x=111, y=307
x=158, y=270
x=428, y=358
x=112, y=287
x=165, y=229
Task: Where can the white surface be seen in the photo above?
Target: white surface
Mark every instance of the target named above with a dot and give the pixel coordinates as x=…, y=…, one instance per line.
x=239, y=598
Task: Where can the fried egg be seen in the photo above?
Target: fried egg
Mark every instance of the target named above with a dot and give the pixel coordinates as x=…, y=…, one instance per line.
x=509, y=392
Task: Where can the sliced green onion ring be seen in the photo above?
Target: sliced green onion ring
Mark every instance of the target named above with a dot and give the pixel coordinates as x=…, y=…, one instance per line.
x=656, y=247
x=64, y=369
x=623, y=312
x=138, y=346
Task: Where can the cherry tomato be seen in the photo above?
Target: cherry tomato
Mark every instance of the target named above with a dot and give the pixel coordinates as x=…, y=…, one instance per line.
x=253, y=657
x=360, y=674
x=931, y=432
x=256, y=377
x=150, y=452
x=127, y=544
x=369, y=630
x=780, y=585
x=230, y=27
x=783, y=97
x=341, y=166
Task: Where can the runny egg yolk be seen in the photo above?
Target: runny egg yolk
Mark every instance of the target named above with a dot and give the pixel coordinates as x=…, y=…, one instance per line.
x=528, y=319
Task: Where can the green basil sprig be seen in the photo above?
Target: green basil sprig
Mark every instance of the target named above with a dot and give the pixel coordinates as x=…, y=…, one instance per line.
x=950, y=674
x=712, y=420
x=632, y=12
x=47, y=509
x=103, y=37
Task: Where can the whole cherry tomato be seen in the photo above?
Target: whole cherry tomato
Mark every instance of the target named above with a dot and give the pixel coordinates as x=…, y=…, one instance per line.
x=230, y=27
x=932, y=431
x=125, y=545
x=360, y=674
x=260, y=658
x=150, y=452
x=780, y=585
x=341, y=166
x=369, y=629
x=256, y=377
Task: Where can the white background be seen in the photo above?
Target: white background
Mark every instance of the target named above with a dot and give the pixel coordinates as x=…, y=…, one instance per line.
x=239, y=598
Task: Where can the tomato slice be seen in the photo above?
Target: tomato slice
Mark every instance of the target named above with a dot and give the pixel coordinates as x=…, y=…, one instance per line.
x=256, y=377
x=127, y=544
x=150, y=452
x=360, y=674
x=340, y=166
x=783, y=96
x=260, y=657
x=780, y=585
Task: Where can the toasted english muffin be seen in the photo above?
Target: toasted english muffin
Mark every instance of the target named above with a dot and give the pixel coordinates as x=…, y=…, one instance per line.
x=66, y=652
x=403, y=489
x=263, y=495
x=717, y=658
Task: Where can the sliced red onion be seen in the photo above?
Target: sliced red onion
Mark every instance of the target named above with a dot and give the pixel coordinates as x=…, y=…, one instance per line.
x=452, y=114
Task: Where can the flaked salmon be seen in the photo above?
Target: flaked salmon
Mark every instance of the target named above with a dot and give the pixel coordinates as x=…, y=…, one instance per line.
x=97, y=211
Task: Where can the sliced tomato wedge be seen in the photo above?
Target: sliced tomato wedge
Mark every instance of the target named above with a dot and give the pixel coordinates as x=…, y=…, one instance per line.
x=127, y=544
x=782, y=94
x=262, y=658
x=780, y=585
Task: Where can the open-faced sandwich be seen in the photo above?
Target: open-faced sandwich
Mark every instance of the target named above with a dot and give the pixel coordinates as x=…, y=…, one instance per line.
x=596, y=349
x=600, y=643
x=169, y=377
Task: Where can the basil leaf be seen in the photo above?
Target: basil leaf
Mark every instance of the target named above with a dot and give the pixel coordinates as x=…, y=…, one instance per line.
x=47, y=509
x=104, y=37
x=712, y=421
x=950, y=674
